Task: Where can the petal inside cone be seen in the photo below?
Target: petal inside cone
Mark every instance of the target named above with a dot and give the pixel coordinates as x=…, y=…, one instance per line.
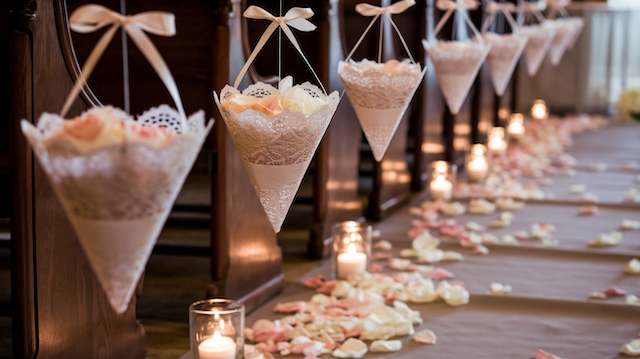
x=380, y=95
x=117, y=200
x=456, y=64
x=538, y=43
x=503, y=57
x=276, y=146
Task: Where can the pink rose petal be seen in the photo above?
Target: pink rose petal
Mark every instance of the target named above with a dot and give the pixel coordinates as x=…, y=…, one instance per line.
x=440, y=274
x=290, y=307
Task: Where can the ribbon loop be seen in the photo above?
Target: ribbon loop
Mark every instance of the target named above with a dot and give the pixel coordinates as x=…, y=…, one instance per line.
x=365, y=9
x=446, y=5
x=90, y=18
x=496, y=7
x=296, y=17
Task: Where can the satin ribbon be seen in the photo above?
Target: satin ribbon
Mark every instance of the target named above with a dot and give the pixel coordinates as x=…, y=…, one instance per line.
x=504, y=8
x=397, y=8
x=450, y=6
x=89, y=18
x=296, y=17
x=495, y=7
x=377, y=11
x=457, y=4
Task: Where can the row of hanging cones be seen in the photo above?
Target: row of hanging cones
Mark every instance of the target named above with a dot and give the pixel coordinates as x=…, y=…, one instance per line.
x=117, y=176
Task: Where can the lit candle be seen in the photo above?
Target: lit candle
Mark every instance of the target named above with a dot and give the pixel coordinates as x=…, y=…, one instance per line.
x=516, y=126
x=351, y=262
x=496, y=143
x=217, y=347
x=477, y=164
x=539, y=110
x=440, y=187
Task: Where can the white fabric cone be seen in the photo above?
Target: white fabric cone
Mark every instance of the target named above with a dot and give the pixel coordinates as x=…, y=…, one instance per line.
x=380, y=97
x=561, y=40
x=117, y=194
x=576, y=28
x=277, y=149
x=456, y=64
x=503, y=57
x=538, y=43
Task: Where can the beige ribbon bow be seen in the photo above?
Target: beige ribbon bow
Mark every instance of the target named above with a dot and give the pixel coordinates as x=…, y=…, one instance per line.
x=296, y=17
x=89, y=18
x=457, y=4
x=397, y=8
x=504, y=7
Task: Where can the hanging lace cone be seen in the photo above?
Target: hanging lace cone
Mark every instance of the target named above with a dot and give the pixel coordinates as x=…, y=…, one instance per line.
x=456, y=64
x=562, y=39
x=503, y=57
x=538, y=43
x=276, y=137
x=117, y=182
x=380, y=95
x=576, y=28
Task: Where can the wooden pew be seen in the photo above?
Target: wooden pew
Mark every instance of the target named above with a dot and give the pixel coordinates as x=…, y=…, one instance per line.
x=427, y=125
x=246, y=259
x=71, y=317
x=485, y=104
x=335, y=182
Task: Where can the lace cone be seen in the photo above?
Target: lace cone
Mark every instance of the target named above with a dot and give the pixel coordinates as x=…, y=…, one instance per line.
x=380, y=96
x=503, y=58
x=456, y=64
x=117, y=196
x=561, y=41
x=576, y=28
x=538, y=43
x=277, y=148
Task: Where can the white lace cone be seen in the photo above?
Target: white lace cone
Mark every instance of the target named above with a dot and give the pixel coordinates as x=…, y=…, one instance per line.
x=576, y=28
x=117, y=193
x=277, y=148
x=538, y=43
x=503, y=57
x=380, y=96
x=562, y=39
x=456, y=64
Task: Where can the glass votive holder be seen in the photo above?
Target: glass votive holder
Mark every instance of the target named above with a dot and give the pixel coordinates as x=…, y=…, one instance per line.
x=477, y=164
x=443, y=177
x=516, y=129
x=539, y=110
x=496, y=142
x=216, y=328
x=351, y=249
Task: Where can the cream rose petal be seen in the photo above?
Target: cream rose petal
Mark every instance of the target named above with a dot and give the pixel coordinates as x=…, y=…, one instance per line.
x=424, y=242
x=385, y=346
x=629, y=225
x=500, y=289
x=632, y=348
x=352, y=348
x=425, y=336
x=632, y=300
x=633, y=267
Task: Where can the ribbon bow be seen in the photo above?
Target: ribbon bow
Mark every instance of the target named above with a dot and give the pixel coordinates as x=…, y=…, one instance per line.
x=504, y=7
x=397, y=8
x=296, y=17
x=89, y=18
x=457, y=4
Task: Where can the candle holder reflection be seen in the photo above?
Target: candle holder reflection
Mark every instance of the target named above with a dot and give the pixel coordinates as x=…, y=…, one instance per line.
x=497, y=142
x=539, y=110
x=477, y=165
x=216, y=328
x=351, y=249
x=442, y=180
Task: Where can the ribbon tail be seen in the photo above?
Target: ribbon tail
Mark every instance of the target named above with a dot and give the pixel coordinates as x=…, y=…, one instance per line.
x=261, y=42
x=157, y=62
x=88, y=67
x=292, y=38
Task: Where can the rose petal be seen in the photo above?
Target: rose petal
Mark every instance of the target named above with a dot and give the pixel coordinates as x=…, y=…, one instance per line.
x=633, y=267
x=632, y=348
x=425, y=336
x=541, y=354
x=352, y=348
x=385, y=346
